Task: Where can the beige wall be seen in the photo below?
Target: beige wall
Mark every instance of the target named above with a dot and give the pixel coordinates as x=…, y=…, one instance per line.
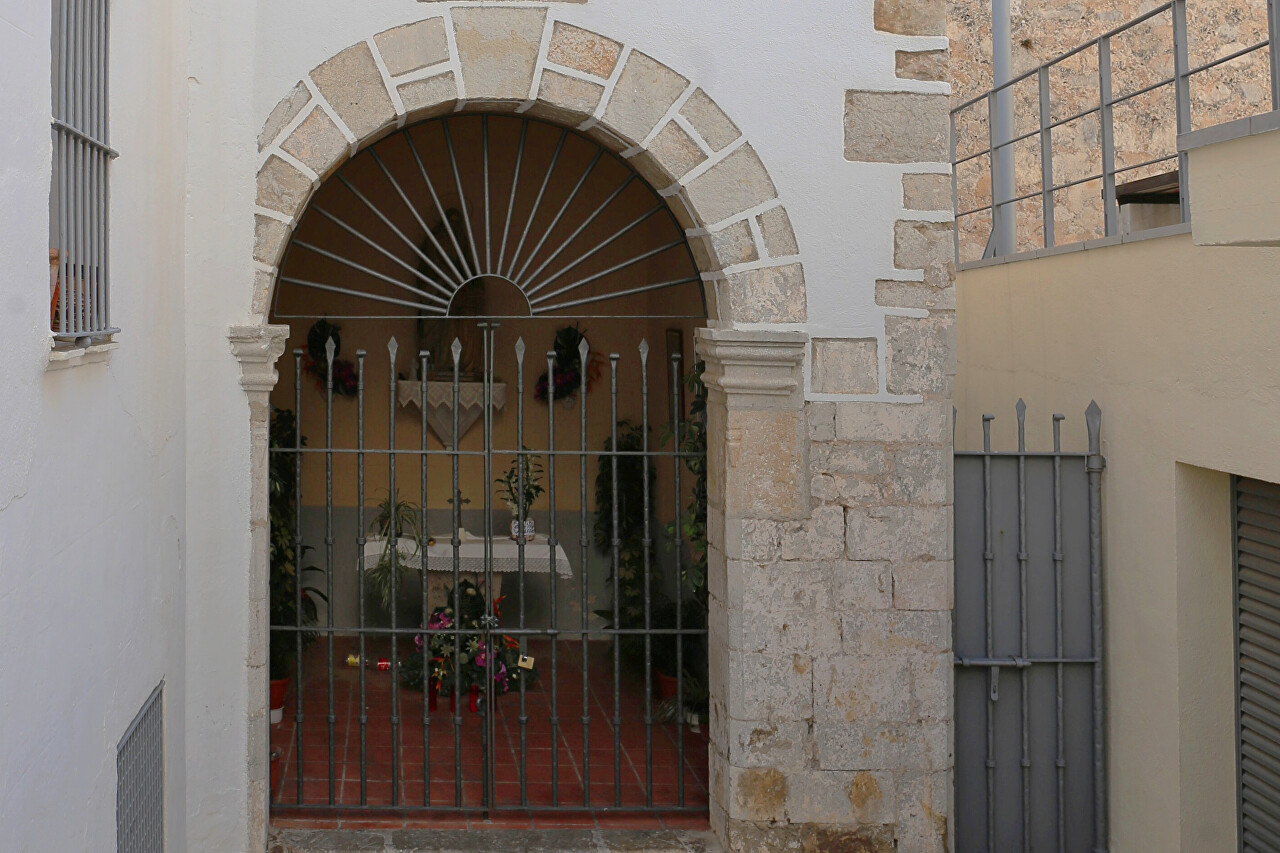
x=1233, y=201
x=1178, y=344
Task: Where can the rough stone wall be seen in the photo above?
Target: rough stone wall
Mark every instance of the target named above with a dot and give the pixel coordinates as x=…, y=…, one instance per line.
x=1145, y=127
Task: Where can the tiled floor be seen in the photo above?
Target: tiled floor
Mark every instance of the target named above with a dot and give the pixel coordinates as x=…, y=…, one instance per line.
x=536, y=754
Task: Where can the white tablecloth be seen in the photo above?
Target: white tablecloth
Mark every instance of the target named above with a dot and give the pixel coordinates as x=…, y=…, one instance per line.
x=537, y=557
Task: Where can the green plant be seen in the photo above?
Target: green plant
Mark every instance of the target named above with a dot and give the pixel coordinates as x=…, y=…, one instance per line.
x=286, y=553
x=519, y=501
x=697, y=699
x=394, y=520
x=693, y=448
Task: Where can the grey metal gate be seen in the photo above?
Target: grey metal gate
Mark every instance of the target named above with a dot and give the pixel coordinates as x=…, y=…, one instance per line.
x=1029, y=758
x=1256, y=519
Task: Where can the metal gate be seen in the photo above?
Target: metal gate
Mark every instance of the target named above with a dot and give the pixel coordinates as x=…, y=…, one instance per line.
x=1256, y=520
x=462, y=701
x=1030, y=771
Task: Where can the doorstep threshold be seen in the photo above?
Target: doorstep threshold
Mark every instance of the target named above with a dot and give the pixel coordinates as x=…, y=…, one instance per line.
x=491, y=841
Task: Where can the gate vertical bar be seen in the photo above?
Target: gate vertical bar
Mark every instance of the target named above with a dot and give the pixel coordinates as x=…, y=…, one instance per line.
x=1057, y=629
x=583, y=350
x=360, y=578
x=617, y=612
x=522, y=512
x=993, y=674
x=456, y=350
x=1024, y=674
x=330, y=349
x=424, y=359
x=1095, y=464
x=393, y=544
x=555, y=600
x=488, y=620
x=648, y=607
x=1182, y=96
x=1046, y=158
x=677, y=460
x=1110, y=211
x=297, y=556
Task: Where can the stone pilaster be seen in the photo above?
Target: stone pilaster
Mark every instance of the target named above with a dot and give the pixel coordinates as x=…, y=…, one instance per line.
x=257, y=348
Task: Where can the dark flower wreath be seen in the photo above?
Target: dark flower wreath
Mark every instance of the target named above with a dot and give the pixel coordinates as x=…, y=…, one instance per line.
x=569, y=366
x=345, y=378
x=472, y=653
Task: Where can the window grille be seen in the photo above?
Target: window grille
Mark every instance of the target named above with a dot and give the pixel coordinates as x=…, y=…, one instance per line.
x=140, y=780
x=79, y=301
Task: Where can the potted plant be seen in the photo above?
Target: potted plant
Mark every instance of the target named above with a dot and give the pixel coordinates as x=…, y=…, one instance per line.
x=287, y=587
x=396, y=521
x=520, y=487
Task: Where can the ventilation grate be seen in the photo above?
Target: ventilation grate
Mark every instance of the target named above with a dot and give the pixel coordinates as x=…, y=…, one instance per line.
x=140, y=780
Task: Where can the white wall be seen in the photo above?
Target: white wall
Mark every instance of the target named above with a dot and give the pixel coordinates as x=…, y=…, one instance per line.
x=91, y=473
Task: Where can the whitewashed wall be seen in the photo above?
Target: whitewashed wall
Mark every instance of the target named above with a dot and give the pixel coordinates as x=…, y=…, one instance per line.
x=91, y=457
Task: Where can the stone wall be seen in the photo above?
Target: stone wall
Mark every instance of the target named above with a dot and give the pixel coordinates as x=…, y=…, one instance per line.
x=1145, y=127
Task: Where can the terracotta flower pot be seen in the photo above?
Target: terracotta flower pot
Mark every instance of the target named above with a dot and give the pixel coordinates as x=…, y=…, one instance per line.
x=279, y=687
x=666, y=685
x=275, y=772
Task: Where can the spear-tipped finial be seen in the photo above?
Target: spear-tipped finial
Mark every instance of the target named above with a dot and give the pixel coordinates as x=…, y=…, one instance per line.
x=456, y=349
x=644, y=352
x=392, y=349
x=330, y=347
x=520, y=350
x=583, y=349
x=1021, y=408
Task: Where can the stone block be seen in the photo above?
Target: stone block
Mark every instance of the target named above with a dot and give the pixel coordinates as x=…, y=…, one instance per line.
x=737, y=183
x=413, y=46
x=814, y=635
x=645, y=90
x=676, y=152
x=285, y=111
x=747, y=837
x=897, y=633
x=915, y=294
x=920, y=354
x=927, y=422
x=932, y=687
x=715, y=128
x=783, y=588
x=921, y=64
x=818, y=538
x=263, y=282
x=867, y=745
x=768, y=295
x=768, y=687
x=911, y=17
x=281, y=187
x=317, y=142
x=765, y=474
x=779, y=237
x=734, y=244
x=923, y=811
x=832, y=797
x=898, y=533
x=353, y=86
x=822, y=421
x=926, y=585
x=919, y=245
x=583, y=50
x=566, y=99
x=851, y=458
x=921, y=476
x=861, y=585
x=896, y=127
x=270, y=236
x=845, y=366
x=862, y=687
x=926, y=192
x=757, y=540
x=758, y=793
x=498, y=50
x=777, y=743
x=429, y=97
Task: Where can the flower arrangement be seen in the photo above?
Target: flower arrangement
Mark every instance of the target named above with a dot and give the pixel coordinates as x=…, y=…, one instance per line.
x=346, y=379
x=469, y=652
x=569, y=367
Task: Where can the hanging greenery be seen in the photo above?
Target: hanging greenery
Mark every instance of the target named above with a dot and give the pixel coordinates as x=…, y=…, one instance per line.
x=345, y=377
x=569, y=366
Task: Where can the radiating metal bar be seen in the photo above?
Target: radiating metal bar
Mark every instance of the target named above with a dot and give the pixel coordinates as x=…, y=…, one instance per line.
x=551, y=580
x=993, y=675
x=519, y=277
x=424, y=360
x=615, y=268
x=373, y=152
x=390, y=300
x=413, y=246
x=1058, y=558
x=616, y=544
x=537, y=203
x=387, y=253
x=1110, y=210
x=456, y=351
x=360, y=577
x=577, y=231
x=1046, y=160
x=484, y=147
x=601, y=245
x=647, y=545
x=462, y=197
x=1025, y=651
x=521, y=514
x=1182, y=97
x=677, y=416
x=393, y=542
x=616, y=294
x=511, y=202
x=330, y=349
x=347, y=262
x=297, y=556
x=585, y=608
x=1094, y=466
x=444, y=217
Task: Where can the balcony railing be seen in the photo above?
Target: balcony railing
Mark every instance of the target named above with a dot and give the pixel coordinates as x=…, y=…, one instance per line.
x=1005, y=197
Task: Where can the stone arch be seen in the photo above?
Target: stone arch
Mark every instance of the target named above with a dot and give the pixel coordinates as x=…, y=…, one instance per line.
x=504, y=59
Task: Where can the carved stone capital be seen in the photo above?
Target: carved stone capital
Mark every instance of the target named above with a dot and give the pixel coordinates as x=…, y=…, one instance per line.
x=257, y=348
x=754, y=369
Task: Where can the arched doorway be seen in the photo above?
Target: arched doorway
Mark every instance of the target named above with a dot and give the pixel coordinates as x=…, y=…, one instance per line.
x=489, y=309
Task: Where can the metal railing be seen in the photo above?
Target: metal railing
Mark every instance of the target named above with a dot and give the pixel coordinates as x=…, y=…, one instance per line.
x=1004, y=195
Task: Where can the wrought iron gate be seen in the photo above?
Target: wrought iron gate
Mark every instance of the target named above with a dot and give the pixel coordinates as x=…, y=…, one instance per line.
x=544, y=715
x=1030, y=771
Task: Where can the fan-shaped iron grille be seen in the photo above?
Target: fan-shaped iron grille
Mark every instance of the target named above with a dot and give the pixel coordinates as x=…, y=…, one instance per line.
x=408, y=227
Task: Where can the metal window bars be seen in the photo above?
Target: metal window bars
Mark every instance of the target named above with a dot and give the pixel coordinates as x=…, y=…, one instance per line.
x=1004, y=197
x=79, y=203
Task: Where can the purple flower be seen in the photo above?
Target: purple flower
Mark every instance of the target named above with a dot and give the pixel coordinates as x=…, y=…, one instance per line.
x=439, y=621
